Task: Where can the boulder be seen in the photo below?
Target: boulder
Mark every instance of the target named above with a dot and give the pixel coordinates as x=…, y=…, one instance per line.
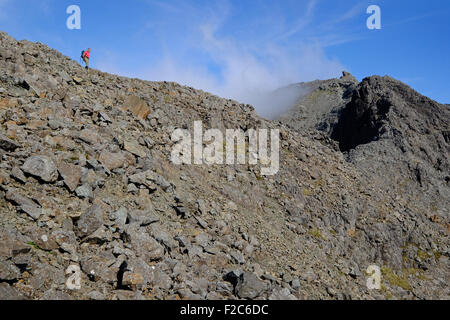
x=41, y=167
x=112, y=160
x=137, y=106
x=249, y=286
x=90, y=221
x=143, y=244
x=71, y=175
x=135, y=148
x=24, y=203
x=9, y=293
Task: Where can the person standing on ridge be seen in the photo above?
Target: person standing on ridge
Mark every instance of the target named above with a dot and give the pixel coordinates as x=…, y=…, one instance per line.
x=85, y=55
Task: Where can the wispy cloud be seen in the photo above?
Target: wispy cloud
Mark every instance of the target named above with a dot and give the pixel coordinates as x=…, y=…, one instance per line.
x=238, y=65
x=357, y=9
x=304, y=21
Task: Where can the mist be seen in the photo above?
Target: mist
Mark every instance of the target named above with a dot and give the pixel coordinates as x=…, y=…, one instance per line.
x=264, y=79
x=272, y=104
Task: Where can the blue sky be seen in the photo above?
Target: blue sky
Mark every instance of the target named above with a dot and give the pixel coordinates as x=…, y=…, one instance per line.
x=239, y=48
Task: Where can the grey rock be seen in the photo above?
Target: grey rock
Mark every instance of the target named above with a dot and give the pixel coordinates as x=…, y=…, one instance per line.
x=90, y=221
x=45, y=276
x=135, y=149
x=16, y=198
x=233, y=276
x=287, y=278
x=132, y=188
x=182, y=240
x=162, y=280
x=24, y=203
x=162, y=236
x=9, y=293
x=201, y=222
x=120, y=216
x=84, y=192
x=17, y=174
x=99, y=268
x=237, y=256
x=100, y=236
x=202, y=240
x=10, y=247
x=41, y=167
x=65, y=76
x=143, y=244
x=318, y=103
x=201, y=206
x=295, y=284
x=55, y=295
x=8, y=271
x=71, y=175
x=33, y=211
x=364, y=179
x=143, y=217
x=224, y=288
x=54, y=124
x=250, y=286
x=150, y=179
x=95, y=295
x=282, y=294
x=104, y=117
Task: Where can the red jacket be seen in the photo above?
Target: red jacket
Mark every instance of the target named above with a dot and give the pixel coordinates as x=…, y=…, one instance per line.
x=87, y=54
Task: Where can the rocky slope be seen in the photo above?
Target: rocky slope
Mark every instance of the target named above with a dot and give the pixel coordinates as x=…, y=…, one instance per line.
x=86, y=180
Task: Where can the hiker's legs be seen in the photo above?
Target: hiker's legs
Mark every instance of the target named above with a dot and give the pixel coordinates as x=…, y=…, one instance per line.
x=86, y=61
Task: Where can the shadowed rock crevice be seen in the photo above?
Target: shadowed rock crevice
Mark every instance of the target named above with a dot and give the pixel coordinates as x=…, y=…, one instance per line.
x=122, y=270
x=361, y=122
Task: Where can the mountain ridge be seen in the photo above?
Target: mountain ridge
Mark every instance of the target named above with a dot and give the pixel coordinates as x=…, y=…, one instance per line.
x=86, y=180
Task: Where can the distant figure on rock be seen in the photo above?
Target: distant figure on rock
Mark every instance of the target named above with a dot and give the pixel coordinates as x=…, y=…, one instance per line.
x=85, y=55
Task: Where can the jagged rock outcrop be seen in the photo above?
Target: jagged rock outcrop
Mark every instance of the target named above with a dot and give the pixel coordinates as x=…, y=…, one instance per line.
x=320, y=104
x=106, y=199
x=383, y=107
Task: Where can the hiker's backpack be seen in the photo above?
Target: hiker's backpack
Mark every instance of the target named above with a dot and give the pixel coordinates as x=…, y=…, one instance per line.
x=82, y=54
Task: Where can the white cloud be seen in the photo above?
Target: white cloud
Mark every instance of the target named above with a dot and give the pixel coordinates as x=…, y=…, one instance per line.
x=246, y=69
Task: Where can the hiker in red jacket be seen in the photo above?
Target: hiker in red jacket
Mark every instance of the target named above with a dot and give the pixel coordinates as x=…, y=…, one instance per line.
x=86, y=55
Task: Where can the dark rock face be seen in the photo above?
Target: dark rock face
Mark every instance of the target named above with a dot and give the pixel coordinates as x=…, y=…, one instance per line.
x=361, y=121
x=88, y=191
x=399, y=126
x=382, y=107
x=8, y=144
